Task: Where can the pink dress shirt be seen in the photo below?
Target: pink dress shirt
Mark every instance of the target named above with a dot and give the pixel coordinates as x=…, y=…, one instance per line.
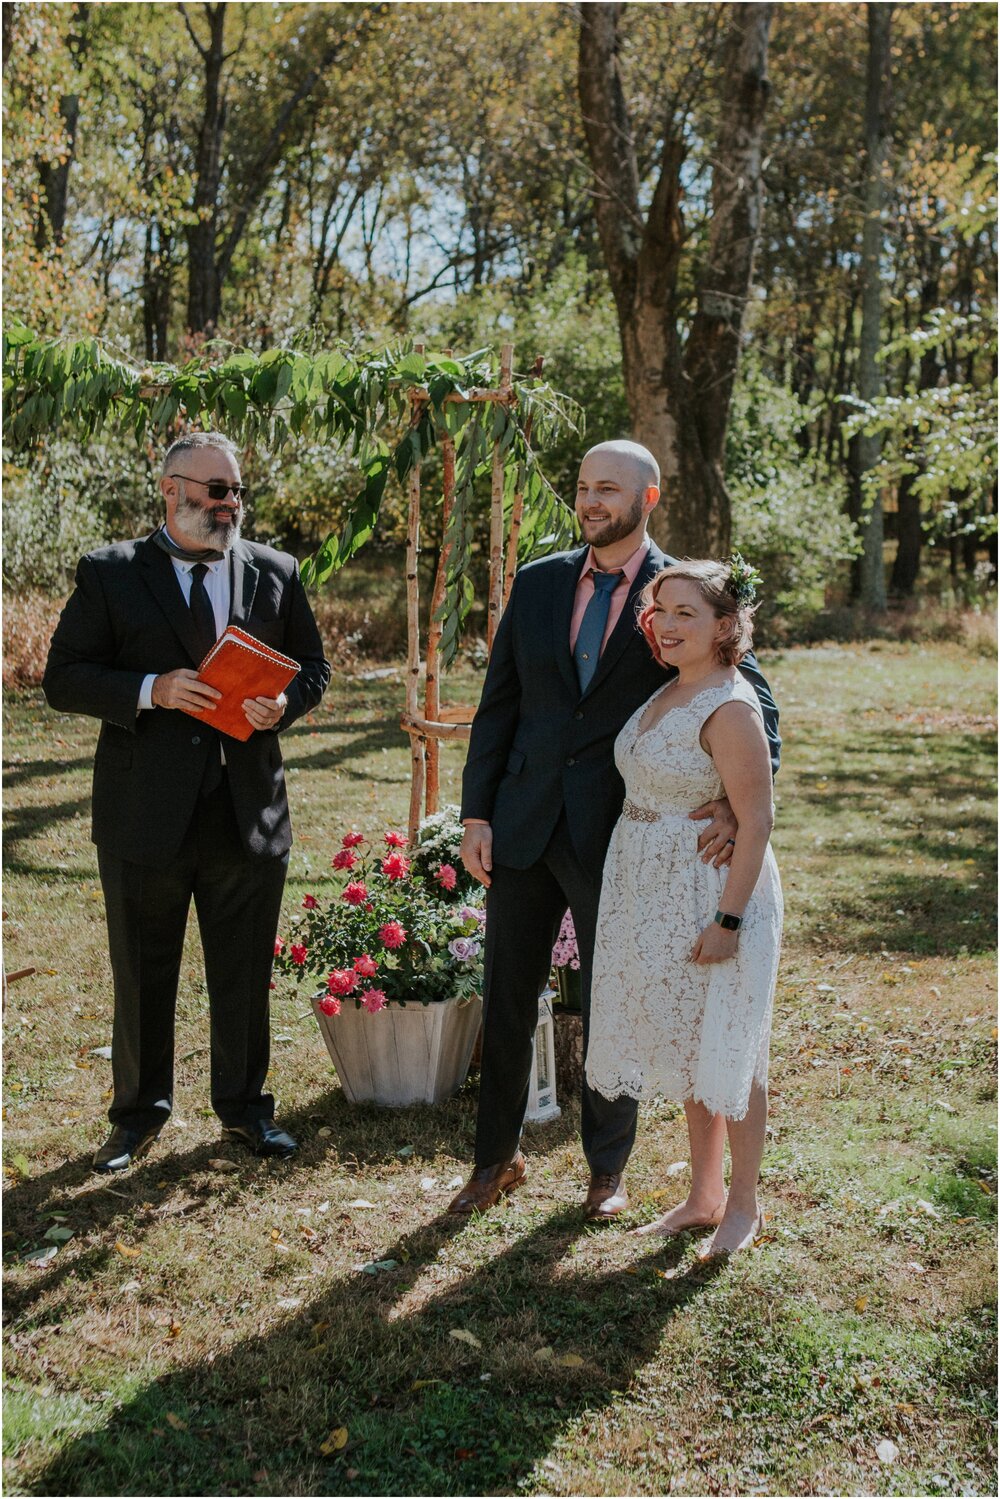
x=585, y=592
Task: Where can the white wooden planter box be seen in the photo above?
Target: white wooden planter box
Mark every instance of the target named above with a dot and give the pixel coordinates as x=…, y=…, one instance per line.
x=419, y=1054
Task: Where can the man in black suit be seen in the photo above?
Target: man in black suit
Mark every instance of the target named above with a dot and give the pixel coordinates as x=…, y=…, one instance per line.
x=180, y=811
x=541, y=795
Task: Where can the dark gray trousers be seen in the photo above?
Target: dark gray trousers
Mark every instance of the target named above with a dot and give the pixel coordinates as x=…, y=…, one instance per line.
x=523, y=910
x=238, y=901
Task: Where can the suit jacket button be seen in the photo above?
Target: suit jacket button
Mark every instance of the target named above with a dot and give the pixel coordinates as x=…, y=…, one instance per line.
x=578, y=714
x=196, y=739
x=570, y=760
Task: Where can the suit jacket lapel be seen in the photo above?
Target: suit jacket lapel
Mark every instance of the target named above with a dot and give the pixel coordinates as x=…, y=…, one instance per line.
x=159, y=576
x=563, y=597
x=625, y=630
x=243, y=577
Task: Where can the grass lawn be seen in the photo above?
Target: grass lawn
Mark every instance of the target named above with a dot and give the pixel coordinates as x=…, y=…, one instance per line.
x=207, y=1329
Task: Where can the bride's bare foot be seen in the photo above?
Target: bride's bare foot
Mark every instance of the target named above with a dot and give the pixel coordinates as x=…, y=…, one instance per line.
x=686, y=1215
x=737, y=1230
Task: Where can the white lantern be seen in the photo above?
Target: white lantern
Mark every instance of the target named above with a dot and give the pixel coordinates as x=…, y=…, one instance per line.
x=542, y=1104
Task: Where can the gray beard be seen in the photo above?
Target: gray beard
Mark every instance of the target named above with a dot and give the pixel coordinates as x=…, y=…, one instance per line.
x=197, y=522
x=616, y=529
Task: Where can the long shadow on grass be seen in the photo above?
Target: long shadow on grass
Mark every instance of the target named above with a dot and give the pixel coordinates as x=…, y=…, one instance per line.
x=29, y=770
x=171, y=1185
x=427, y=1413
x=30, y=822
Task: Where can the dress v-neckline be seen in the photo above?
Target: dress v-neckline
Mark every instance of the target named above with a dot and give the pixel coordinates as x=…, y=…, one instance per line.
x=641, y=732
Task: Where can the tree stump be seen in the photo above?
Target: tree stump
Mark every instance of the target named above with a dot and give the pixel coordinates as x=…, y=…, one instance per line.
x=568, y=1030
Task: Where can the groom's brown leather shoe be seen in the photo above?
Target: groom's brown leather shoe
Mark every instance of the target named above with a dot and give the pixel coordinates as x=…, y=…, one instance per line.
x=487, y=1184
x=606, y=1197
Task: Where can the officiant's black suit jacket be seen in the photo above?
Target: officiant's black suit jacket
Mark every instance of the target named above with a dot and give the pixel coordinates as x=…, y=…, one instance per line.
x=127, y=618
x=539, y=745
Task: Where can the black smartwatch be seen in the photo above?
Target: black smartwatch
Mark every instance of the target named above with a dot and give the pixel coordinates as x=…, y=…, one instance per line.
x=729, y=923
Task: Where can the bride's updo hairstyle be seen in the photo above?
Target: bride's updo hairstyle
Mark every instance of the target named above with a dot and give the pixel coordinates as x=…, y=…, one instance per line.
x=730, y=598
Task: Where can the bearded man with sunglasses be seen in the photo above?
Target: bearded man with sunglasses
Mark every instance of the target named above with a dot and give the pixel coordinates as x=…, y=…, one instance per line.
x=181, y=812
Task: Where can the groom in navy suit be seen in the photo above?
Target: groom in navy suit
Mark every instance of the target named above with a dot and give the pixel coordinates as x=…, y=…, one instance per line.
x=541, y=795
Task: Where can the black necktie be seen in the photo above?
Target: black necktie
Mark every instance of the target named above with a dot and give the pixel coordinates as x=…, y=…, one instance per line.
x=204, y=625
x=201, y=611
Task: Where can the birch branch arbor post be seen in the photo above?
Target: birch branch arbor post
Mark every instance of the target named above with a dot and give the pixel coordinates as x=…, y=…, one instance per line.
x=426, y=730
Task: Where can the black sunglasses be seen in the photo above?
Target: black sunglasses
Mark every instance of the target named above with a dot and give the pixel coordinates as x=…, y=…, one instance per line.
x=218, y=489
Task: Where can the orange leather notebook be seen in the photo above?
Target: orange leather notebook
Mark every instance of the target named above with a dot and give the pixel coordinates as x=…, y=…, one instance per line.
x=241, y=667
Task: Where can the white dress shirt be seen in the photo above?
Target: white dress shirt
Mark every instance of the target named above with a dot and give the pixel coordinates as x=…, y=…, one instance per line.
x=219, y=590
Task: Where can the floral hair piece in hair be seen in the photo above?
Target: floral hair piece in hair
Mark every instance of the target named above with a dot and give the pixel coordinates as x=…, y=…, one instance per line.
x=743, y=580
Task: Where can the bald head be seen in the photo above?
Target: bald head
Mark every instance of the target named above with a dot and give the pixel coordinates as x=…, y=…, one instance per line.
x=629, y=458
x=618, y=486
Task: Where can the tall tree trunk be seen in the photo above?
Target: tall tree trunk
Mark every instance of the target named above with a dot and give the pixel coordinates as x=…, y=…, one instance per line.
x=906, y=566
x=204, y=287
x=679, y=398
x=868, y=449
x=157, y=279
x=50, y=226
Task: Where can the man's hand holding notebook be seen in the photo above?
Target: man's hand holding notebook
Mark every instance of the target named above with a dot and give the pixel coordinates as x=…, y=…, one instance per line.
x=240, y=666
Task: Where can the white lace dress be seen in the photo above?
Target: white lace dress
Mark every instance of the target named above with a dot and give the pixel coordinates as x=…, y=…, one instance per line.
x=660, y=1024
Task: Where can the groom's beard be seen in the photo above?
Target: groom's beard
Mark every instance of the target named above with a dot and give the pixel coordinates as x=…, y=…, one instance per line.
x=614, y=530
x=201, y=524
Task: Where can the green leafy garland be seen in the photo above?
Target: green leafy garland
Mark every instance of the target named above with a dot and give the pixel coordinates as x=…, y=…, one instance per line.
x=337, y=397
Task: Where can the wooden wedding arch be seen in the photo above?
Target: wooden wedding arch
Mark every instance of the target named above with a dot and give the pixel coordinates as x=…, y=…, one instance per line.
x=52, y=385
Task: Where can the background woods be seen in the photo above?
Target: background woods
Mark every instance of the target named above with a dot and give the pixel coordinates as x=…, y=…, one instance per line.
x=762, y=238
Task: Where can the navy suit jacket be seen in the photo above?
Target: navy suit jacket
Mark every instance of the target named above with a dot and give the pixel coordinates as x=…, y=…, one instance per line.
x=538, y=744
x=128, y=617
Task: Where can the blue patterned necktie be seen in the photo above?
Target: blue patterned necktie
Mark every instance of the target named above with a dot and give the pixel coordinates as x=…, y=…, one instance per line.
x=587, y=651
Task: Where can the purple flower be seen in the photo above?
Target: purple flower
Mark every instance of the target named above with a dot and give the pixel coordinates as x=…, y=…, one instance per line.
x=464, y=948
x=473, y=913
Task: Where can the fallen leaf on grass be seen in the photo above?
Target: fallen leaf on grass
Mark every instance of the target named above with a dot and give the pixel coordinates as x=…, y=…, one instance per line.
x=361, y=1202
x=41, y=1256
x=176, y=1422
x=57, y=1235
x=174, y=1330
x=570, y=1361
x=861, y=1303
x=456, y=1181
x=421, y=1384
x=677, y=1168
x=886, y=1451
x=289, y=1303
x=377, y=1265
x=544, y=1353
x=131, y=1285
x=335, y=1442
x=100, y=1051
x=218, y=1163
x=428, y=1183
x=405, y=1152
x=463, y=1335
x=126, y=1250
x=927, y=1208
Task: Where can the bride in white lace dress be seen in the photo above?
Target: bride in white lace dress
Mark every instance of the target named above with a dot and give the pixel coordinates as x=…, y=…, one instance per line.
x=687, y=954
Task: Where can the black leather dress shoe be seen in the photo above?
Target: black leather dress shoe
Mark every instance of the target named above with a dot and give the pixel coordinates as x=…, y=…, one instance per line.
x=123, y=1146
x=262, y=1136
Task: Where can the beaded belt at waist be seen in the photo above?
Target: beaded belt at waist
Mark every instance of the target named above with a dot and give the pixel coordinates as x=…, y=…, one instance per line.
x=638, y=814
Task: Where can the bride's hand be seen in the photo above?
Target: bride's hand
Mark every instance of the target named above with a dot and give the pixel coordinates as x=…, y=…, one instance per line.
x=715, y=945
x=717, y=841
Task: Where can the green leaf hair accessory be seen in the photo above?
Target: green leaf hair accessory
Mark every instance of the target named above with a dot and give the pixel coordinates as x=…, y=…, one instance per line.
x=743, y=580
